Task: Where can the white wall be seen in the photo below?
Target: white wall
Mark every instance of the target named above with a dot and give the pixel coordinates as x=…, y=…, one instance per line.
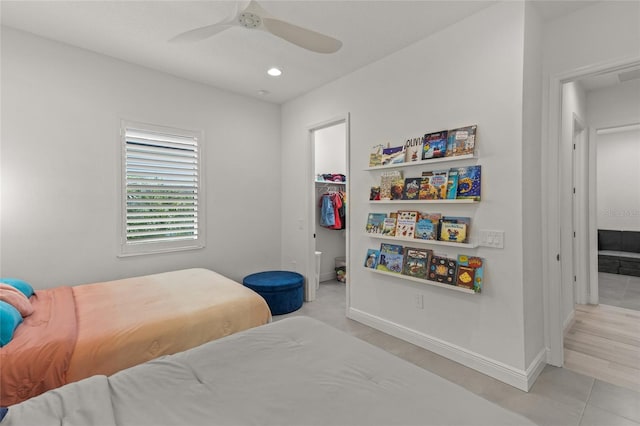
x=331, y=149
x=618, y=155
x=618, y=171
x=478, y=80
x=61, y=112
x=531, y=186
x=330, y=157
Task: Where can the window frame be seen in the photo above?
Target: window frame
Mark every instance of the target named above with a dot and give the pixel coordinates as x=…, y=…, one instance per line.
x=136, y=248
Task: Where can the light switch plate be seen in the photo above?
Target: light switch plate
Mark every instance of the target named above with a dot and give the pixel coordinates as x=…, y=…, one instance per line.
x=493, y=239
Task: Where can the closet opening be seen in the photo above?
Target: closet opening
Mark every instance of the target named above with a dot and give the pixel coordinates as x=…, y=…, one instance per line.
x=329, y=205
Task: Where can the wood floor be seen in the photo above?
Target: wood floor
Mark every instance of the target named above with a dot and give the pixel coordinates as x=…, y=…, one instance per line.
x=604, y=342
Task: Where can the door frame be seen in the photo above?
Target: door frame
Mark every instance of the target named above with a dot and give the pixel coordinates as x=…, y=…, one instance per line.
x=552, y=218
x=312, y=201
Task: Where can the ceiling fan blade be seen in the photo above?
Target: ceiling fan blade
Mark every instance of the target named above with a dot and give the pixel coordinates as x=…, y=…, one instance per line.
x=302, y=37
x=200, y=33
x=207, y=31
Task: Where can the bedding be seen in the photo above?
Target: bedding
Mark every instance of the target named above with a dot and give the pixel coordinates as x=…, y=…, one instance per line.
x=296, y=371
x=101, y=328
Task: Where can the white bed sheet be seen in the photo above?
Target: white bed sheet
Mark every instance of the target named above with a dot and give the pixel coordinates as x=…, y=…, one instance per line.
x=297, y=371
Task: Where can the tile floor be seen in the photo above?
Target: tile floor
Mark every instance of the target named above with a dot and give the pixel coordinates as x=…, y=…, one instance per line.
x=619, y=290
x=559, y=396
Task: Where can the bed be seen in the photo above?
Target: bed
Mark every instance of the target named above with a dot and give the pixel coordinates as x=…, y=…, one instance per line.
x=296, y=371
x=101, y=328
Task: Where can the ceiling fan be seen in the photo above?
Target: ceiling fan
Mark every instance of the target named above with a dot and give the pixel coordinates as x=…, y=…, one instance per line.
x=254, y=17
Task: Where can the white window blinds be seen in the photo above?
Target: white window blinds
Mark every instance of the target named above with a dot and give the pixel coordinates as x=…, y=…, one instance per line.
x=161, y=190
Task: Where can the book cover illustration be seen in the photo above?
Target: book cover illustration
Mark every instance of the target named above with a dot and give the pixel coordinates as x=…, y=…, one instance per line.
x=477, y=264
x=452, y=184
x=411, y=188
x=455, y=229
x=391, y=258
x=374, y=193
x=397, y=188
x=461, y=141
x=389, y=227
x=375, y=158
x=416, y=262
x=435, y=185
x=413, y=150
x=427, y=226
x=375, y=222
x=406, y=224
x=434, y=145
x=465, y=277
x=469, y=182
x=393, y=155
x=371, y=261
x=453, y=232
x=442, y=270
x=386, y=180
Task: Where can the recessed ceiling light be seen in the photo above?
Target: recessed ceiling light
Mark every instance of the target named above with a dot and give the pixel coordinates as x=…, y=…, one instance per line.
x=263, y=92
x=274, y=72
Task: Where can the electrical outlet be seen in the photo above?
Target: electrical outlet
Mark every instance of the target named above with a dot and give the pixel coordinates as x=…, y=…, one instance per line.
x=493, y=239
x=419, y=301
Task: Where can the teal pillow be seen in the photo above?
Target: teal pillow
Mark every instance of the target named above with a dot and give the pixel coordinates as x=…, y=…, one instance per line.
x=10, y=318
x=21, y=285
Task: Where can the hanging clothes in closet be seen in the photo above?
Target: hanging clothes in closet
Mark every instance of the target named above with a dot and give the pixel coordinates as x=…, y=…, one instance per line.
x=333, y=210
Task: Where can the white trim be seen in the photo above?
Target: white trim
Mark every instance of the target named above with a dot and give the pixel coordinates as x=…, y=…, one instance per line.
x=571, y=319
x=521, y=379
x=618, y=129
x=551, y=220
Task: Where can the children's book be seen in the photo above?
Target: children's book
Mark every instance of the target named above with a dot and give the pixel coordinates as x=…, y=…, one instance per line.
x=465, y=277
x=389, y=227
x=416, y=262
x=452, y=184
x=461, y=141
x=391, y=258
x=375, y=222
x=397, y=188
x=375, y=158
x=411, y=188
x=406, y=223
x=475, y=263
x=435, y=186
x=393, y=155
x=427, y=226
x=469, y=180
x=434, y=145
x=454, y=229
x=442, y=270
x=387, y=178
x=374, y=193
x=413, y=150
x=371, y=261
x=453, y=232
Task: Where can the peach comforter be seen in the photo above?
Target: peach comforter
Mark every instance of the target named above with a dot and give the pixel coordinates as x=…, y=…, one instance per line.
x=102, y=328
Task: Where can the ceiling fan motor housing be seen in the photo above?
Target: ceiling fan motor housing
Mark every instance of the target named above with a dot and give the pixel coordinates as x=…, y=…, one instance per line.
x=249, y=20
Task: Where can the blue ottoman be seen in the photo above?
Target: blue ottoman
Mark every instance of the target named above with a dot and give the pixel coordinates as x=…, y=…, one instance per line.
x=283, y=290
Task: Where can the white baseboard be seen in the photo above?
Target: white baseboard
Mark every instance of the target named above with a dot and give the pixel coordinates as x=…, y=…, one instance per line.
x=327, y=276
x=521, y=379
x=568, y=323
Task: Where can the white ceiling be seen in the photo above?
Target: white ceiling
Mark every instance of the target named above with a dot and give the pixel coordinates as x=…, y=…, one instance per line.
x=237, y=59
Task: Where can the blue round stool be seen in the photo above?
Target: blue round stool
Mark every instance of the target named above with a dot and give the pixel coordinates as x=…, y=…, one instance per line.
x=282, y=290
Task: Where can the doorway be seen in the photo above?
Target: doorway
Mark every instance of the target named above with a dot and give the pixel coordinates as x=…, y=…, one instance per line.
x=328, y=251
x=567, y=258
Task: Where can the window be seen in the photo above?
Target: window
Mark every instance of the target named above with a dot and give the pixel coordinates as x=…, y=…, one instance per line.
x=162, y=196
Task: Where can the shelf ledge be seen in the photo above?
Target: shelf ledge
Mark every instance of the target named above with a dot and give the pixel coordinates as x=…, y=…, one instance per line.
x=452, y=201
x=421, y=281
x=423, y=162
x=421, y=241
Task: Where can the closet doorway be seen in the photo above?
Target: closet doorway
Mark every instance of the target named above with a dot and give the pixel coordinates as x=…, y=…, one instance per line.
x=329, y=204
